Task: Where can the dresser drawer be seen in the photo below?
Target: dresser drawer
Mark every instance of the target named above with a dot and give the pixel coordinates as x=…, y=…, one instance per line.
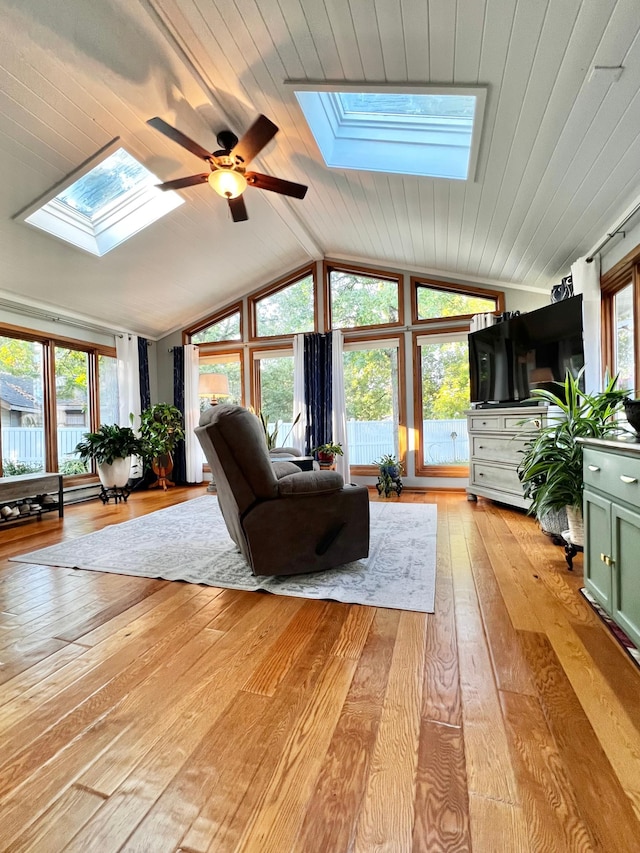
x=522, y=423
x=617, y=475
x=494, y=477
x=497, y=448
x=484, y=423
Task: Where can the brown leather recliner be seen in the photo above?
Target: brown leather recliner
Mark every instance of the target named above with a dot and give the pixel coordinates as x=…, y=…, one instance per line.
x=284, y=521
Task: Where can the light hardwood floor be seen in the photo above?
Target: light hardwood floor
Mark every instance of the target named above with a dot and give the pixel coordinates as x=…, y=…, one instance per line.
x=143, y=715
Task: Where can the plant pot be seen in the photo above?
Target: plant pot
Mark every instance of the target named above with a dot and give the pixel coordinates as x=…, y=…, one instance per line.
x=116, y=475
x=392, y=471
x=554, y=522
x=325, y=460
x=576, y=525
x=162, y=466
x=632, y=412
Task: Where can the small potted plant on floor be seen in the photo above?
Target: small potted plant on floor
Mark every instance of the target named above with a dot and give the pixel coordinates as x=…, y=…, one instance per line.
x=389, y=471
x=161, y=428
x=327, y=453
x=111, y=447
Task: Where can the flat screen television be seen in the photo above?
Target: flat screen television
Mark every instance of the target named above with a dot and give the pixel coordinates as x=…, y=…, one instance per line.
x=534, y=350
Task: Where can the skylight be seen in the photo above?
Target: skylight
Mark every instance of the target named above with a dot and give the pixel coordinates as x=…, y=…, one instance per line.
x=107, y=205
x=409, y=131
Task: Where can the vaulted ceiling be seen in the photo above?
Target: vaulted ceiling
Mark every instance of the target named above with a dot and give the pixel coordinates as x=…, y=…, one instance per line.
x=559, y=159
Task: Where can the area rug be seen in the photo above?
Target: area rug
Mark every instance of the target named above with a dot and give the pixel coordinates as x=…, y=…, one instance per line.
x=616, y=631
x=189, y=542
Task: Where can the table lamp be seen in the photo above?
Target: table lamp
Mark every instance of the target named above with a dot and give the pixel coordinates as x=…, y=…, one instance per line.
x=213, y=385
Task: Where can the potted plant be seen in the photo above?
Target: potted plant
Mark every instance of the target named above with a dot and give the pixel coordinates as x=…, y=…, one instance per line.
x=271, y=432
x=551, y=468
x=111, y=447
x=161, y=428
x=327, y=453
x=389, y=471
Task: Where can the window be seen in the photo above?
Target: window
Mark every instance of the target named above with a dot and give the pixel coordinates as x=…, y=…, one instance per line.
x=222, y=327
x=22, y=406
x=372, y=397
x=43, y=419
x=106, y=205
x=273, y=391
x=227, y=368
x=406, y=130
x=621, y=322
x=433, y=300
x=624, y=337
x=359, y=298
x=285, y=308
x=443, y=364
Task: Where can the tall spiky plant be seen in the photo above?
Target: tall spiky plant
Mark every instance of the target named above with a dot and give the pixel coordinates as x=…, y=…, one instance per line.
x=551, y=468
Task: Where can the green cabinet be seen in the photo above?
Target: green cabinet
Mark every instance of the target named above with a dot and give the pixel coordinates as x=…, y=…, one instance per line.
x=612, y=530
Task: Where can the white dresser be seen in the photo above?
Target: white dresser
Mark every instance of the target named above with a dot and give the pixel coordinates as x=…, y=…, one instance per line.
x=497, y=438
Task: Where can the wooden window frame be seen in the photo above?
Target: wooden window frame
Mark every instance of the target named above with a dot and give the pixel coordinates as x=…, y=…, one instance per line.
x=208, y=350
x=328, y=267
x=276, y=287
x=286, y=350
x=372, y=470
x=450, y=287
x=49, y=344
x=211, y=320
x=421, y=469
x=626, y=271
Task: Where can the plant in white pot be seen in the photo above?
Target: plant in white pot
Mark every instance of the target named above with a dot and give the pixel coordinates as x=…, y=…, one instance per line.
x=551, y=468
x=111, y=447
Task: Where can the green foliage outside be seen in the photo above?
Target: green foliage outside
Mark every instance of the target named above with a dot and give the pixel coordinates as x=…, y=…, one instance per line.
x=445, y=380
x=227, y=329
x=10, y=468
x=444, y=303
x=288, y=311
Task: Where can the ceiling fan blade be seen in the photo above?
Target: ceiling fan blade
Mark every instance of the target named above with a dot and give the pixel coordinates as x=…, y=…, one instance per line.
x=238, y=209
x=259, y=134
x=179, y=137
x=180, y=183
x=275, y=185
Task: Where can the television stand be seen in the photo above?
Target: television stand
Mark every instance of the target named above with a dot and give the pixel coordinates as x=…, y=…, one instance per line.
x=497, y=439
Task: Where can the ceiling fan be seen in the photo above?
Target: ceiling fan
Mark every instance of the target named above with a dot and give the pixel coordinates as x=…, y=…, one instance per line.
x=227, y=166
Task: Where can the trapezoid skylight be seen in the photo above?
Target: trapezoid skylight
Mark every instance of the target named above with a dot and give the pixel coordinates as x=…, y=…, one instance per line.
x=415, y=131
x=105, y=206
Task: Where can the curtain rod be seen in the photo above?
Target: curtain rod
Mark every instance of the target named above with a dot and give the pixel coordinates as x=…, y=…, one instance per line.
x=618, y=230
x=42, y=314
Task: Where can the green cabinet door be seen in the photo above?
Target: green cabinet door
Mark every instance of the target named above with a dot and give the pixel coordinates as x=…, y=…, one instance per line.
x=626, y=570
x=597, y=545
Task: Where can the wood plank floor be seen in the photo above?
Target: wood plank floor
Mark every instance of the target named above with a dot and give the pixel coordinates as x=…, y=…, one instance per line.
x=143, y=715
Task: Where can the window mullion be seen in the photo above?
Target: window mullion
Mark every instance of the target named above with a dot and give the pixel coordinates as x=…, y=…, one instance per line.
x=50, y=410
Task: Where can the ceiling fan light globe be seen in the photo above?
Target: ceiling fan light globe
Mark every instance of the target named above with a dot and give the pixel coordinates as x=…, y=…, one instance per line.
x=227, y=182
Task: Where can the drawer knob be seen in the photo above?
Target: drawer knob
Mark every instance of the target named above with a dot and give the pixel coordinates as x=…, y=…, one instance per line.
x=480, y=474
x=481, y=447
x=594, y=468
x=629, y=480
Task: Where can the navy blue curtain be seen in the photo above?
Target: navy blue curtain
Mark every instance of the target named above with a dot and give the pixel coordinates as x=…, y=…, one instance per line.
x=179, y=459
x=143, y=359
x=318, y=397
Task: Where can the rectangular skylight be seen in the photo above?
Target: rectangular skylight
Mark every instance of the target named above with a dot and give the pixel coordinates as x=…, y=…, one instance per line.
x=106, y=205
x=410, y=130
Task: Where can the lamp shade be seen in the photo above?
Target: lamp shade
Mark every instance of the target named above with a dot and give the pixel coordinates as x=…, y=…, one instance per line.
x=210, y=384
x=227, y=182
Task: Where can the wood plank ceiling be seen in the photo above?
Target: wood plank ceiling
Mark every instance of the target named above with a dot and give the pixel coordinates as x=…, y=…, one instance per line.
x=559, y=158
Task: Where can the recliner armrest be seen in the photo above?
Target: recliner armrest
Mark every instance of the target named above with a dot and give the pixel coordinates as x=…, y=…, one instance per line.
x=310, y=483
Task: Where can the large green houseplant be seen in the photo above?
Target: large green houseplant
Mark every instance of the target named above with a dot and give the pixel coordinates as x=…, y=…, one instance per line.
x=551, y=467
x=161, y=428
x=111, y=448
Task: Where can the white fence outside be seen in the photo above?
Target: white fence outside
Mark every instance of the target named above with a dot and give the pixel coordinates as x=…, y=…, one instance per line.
x=26, y=444
x=445, y=442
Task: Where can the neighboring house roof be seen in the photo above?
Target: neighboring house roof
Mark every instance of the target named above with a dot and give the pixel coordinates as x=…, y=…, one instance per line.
x=16, y=393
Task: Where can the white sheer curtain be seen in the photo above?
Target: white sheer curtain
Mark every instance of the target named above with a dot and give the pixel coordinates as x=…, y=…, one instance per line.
x=586, y=280
x=128, y=380
x=339, y=414
x=194, y=458
x=297, y=436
